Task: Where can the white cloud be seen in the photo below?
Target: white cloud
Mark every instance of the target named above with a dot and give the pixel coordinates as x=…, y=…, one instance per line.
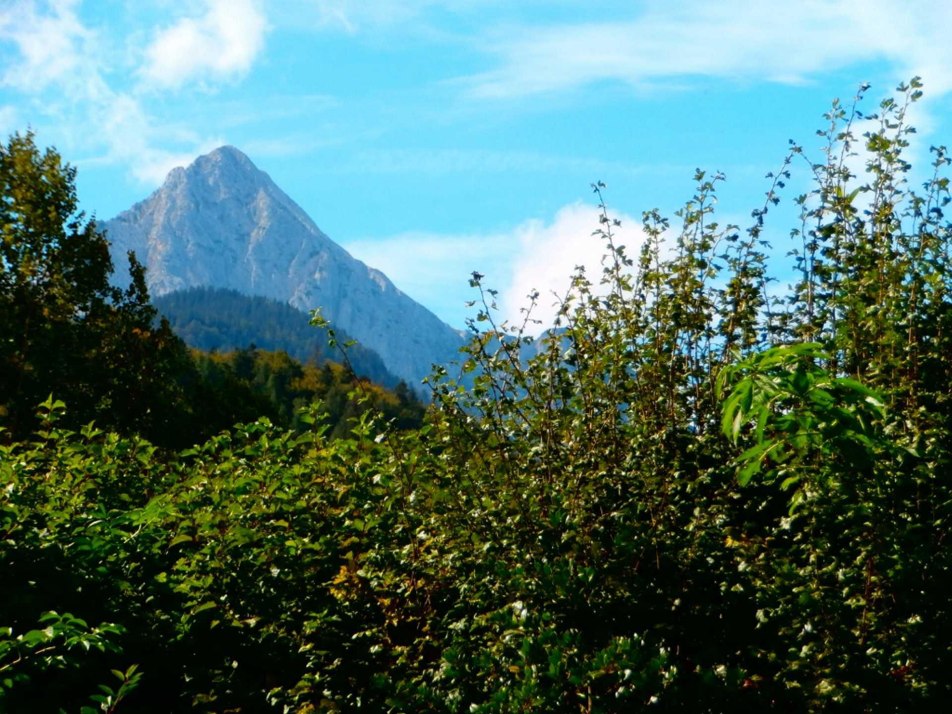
x=220, y=44
x=294, y=144
x=736, y=39
x=452, y=161
x=428, y=18
x=58, y=66
x=51, y=44
x=353, y=15
x=547, y=255
x=535, y=255
x=335, y=14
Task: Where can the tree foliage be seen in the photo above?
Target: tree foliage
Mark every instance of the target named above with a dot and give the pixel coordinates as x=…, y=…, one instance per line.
x=244, y=385
x=699, y=493
x=63, y=327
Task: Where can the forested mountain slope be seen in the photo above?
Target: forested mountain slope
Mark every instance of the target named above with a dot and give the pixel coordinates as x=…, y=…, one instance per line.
x=216, y=319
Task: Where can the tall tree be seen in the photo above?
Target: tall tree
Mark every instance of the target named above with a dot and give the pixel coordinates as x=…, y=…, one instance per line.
x=64, y=329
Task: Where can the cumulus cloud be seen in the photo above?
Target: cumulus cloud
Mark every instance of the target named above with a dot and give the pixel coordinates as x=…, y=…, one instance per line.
x=547, y=255
x=534, y=256
x=733, y=39
x=62, y=68
x=219, y=44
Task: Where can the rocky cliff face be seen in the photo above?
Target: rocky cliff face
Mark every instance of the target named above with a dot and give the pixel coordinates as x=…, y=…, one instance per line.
x=223, y=223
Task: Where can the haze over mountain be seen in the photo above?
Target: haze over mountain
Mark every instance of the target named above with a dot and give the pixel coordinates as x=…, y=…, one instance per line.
x=223, y=223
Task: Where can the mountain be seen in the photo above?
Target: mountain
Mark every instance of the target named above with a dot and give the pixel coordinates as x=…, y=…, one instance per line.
x=216, y=319
x=223, y=223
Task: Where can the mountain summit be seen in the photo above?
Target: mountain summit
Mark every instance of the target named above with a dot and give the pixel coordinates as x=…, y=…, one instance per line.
x=223, y=223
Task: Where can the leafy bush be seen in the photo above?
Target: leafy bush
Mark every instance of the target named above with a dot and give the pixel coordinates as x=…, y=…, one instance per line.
x=695, y=494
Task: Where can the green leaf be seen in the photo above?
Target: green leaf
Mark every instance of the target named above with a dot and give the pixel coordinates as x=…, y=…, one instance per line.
x=179, y=539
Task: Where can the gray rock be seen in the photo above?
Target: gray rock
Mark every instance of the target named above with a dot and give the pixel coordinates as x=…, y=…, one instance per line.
x=223, y=223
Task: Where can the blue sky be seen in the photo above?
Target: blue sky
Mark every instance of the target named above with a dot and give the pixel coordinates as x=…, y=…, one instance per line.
x=432, y=138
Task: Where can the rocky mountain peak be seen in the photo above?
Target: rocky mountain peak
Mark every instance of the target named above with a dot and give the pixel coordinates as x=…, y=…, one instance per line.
x=227, y=154
x=226, y=167
x=223, y=223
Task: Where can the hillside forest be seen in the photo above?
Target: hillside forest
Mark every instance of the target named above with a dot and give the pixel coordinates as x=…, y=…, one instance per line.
x=708, y=490
x=219, y=320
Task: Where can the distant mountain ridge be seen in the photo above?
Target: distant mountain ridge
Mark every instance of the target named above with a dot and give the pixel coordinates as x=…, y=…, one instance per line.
x=219, y=319
x=223, y=223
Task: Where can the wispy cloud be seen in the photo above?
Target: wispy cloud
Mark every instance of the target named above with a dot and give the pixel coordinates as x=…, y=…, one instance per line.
x=355, y=15
x=136, y=141
x=335, y=14
x=295, y=144
x=52, y=45
x=61, y=69
x=446, y=161
x=220, y=44
x=735, y=39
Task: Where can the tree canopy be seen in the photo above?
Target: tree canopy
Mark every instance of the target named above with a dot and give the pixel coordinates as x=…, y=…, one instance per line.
x=64, y=328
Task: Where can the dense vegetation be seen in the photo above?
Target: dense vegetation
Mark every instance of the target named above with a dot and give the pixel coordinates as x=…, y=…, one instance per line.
x=703, y=494
x=62, y=325
x=247, y=384
x=215, y=320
